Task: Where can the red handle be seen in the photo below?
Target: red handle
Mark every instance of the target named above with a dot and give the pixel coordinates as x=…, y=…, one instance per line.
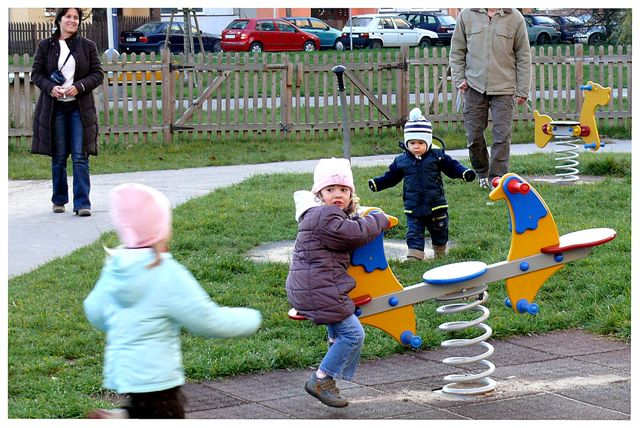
x=518, y=187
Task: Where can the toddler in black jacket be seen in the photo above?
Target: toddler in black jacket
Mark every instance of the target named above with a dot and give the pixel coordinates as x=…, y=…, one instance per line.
x=420, y=166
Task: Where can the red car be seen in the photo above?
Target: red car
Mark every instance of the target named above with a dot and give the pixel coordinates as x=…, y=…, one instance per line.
x=258, y=34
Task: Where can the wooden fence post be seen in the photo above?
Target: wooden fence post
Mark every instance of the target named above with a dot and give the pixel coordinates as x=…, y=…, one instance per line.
x=167, y=97
x=579, y=75
x=404, y=83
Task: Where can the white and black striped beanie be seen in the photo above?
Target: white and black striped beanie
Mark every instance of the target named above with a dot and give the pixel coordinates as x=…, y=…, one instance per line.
x=417, y=128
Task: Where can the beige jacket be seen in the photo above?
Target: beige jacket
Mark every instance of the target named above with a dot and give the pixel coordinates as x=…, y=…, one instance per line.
x=492, y=56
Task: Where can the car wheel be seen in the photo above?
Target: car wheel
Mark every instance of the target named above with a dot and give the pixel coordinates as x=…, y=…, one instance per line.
x=425, y=42
x=339, y=46
x=309, y=46
x=376, y=44
x=217, y=46
x=255, y=47
x=543, y=39
x=596, y=39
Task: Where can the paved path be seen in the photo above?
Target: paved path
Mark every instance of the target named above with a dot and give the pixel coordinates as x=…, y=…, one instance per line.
x=563, y=375
x=37, y=236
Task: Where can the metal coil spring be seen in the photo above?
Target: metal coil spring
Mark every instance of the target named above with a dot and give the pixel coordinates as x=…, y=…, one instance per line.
x=465, y=383
x=567, y=152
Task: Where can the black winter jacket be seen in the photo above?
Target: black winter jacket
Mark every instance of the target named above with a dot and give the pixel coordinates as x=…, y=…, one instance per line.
x=318, y=283
x=422, y=190
x=87, y=77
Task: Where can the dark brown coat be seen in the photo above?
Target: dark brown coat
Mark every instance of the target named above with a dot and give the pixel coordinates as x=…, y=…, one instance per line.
x=318, y=283
x=87, y=77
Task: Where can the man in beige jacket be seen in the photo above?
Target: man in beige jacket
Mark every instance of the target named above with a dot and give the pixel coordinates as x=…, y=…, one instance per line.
x=490, y=62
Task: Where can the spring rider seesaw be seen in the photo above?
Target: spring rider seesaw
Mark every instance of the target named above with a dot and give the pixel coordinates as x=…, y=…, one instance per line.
x=566, y=133
x=536, y=253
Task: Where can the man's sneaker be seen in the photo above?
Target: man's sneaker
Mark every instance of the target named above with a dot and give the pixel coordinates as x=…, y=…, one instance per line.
x=83, y=212
x=58, y=208
x=484, y=183
x=325, y=390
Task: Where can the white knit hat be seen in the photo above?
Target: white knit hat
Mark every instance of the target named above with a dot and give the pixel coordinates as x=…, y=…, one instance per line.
x=332, y=172
x=417, y=128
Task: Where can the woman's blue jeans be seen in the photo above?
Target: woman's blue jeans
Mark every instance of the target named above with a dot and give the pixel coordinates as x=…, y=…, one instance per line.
x=67, y=140
x=341, y=360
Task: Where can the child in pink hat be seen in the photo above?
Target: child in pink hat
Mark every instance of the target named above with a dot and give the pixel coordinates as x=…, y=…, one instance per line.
x=142, y=300
x=318, y=284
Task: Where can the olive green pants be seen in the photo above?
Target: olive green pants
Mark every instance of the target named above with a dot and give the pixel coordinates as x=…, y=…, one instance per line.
x=476, y=119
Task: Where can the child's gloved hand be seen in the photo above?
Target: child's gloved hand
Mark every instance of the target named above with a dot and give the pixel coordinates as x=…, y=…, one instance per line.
x=469, y=175
x=372, y=185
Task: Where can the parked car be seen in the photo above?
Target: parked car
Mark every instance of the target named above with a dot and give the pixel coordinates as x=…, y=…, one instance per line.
x=376, y=31
x=590, y=32
x=258, y=35
x=329, y=37
x=150, y=37
x=441, y=24
x=569, y=26
x=540, y=34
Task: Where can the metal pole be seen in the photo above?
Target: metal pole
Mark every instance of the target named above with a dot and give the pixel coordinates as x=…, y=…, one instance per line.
x=339, y=71
x=112, y=32
x=350, y=31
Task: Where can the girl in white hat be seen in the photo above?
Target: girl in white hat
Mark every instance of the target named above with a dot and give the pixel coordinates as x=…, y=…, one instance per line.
x=318, y=283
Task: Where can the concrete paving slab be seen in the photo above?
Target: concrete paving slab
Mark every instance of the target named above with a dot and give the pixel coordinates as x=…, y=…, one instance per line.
x=569, y=343
x=244, y=411
x=264, y=386
x=620, y=359
x=364, y=403
x=202, y=397
x=543, y=406
x=403, y=367
x=615, y=396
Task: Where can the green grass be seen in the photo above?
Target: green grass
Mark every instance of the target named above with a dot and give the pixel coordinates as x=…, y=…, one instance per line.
x=55, y=356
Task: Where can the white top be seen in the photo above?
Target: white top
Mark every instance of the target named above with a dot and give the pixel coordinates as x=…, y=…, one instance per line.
x=68, y=70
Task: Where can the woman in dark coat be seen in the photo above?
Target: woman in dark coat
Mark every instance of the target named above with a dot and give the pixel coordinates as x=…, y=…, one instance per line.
x=65, y=120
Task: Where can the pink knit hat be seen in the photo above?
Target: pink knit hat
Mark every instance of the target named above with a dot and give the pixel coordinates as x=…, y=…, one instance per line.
x=140, y=214
x=331, y=172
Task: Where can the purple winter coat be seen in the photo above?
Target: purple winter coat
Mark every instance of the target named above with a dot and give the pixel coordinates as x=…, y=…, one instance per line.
x=318, y=283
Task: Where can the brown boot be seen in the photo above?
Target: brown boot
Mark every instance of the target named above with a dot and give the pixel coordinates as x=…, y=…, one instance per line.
x=439, y=250
x=414, y=254
x=325, y=390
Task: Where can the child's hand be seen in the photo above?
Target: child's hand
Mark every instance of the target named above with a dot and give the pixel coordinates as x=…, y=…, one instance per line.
x=469, y=175
x=372, y=185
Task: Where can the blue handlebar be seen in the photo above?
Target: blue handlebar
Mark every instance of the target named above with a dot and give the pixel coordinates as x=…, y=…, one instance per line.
x=586, y=87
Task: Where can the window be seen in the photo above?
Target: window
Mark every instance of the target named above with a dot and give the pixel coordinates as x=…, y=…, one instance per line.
x=387, y=24
x=49, y=11
x=265, y=26
x=401, y=24
x=319, y=25
x=360, y=22
x=238, y=24
x=302, y=23
x=431, y=20
x=287, y=28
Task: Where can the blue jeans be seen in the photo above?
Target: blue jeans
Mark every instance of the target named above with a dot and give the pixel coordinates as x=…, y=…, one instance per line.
x=341, y=360
x=437, y=224
x=68, y=140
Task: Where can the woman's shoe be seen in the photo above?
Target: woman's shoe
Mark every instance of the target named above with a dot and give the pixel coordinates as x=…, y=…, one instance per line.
x=58, y=208
x=83, y=212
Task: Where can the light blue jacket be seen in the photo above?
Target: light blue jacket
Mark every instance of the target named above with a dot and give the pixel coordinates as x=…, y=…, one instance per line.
x=142, y=311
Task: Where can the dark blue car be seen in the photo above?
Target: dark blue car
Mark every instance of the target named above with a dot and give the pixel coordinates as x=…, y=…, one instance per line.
x=150, y=37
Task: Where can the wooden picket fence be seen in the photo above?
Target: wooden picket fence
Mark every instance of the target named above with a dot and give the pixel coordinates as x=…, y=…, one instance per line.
x=154, y=97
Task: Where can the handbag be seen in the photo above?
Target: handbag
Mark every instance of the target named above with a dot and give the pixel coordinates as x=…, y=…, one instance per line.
x=56, y=76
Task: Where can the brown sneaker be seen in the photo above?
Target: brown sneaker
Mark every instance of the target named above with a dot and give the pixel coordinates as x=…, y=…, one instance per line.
x=83, y=212
x=414, y=254
x=325, y=390
x=108, y=414
x=440, y=250
x=58, y=208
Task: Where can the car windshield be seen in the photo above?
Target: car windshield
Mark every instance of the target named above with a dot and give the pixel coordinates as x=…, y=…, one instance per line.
x=544, y=20
x=447, y=20
x=573, y=20
x=152, y=27
x=360, y=22
x=237, y=25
